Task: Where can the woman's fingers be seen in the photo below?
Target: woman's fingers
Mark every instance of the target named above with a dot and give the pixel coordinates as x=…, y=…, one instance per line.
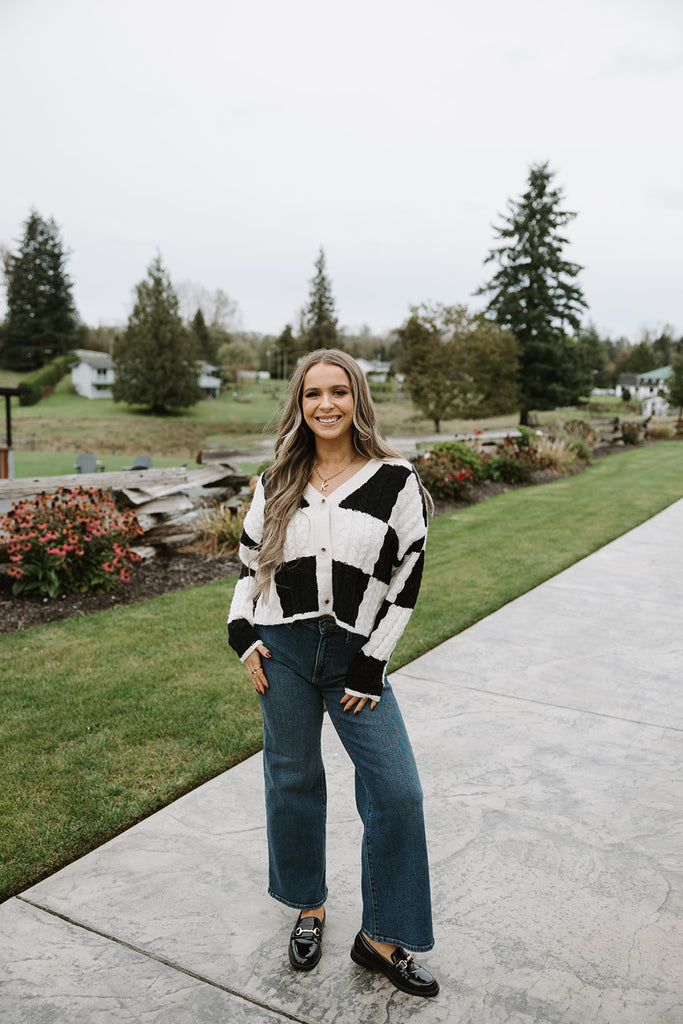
x=255, y=668
x=349, y=700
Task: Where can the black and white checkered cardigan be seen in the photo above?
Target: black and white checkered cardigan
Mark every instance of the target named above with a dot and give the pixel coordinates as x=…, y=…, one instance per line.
x=356, y=554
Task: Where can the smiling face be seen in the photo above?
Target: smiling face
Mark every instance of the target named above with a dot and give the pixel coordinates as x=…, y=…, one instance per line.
x=327, y=402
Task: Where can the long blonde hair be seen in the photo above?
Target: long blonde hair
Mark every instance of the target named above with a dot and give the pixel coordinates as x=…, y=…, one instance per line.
x=287, y=478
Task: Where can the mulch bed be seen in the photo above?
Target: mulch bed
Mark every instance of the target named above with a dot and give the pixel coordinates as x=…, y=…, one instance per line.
x=160, y=575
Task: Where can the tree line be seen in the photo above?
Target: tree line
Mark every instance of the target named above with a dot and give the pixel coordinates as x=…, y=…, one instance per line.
x=527, y=350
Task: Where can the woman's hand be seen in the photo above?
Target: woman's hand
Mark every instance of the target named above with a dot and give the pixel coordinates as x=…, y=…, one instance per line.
x=348, y=700
x=255, y=668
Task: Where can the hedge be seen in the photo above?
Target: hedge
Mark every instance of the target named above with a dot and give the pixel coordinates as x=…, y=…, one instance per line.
x=33, y=387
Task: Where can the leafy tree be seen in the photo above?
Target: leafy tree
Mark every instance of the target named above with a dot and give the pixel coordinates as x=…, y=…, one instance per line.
x=41, y=320
x=238, y=354
x=155, y=357
x=320, y=321
x=457, y=364
x=534, y=293
x=674, y=389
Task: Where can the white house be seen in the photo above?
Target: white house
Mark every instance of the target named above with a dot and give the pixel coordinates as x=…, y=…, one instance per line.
x=209, y=380
x=649, y=386
x=94, y=375
x=374, y=369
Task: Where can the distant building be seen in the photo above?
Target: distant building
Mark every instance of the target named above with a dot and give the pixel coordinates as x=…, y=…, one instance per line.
x=209, y=380
x=650, y=386
x=94, y=375
x=645, y=388
x=374, y=369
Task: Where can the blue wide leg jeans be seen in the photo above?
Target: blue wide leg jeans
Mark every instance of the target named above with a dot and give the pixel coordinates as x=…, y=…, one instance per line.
x=306, y=674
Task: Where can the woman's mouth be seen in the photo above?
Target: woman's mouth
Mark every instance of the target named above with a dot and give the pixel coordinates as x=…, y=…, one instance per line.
x=328, y=420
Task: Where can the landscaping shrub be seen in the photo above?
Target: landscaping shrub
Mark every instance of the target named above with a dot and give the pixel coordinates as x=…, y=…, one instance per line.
x=508, y=468
x=222, y=527
x=72, y=541
x=514, y=461
x=556, y=455
x=381, y=391
x=465, y=457
x=660, y=433
x=444, y=475
x=631, y=433
x=578, y=435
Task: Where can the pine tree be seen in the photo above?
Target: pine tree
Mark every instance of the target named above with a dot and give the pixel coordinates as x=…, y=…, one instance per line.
x=206, y=344
x=320, y=321
x=284, y=354
x=41, y=318
x=155, y=357
x=534, y=294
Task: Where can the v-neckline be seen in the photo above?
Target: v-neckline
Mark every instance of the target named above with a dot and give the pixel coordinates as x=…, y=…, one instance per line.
x=359, y=477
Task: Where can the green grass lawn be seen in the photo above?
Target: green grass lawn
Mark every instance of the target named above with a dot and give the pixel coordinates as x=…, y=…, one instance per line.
x=105, y=719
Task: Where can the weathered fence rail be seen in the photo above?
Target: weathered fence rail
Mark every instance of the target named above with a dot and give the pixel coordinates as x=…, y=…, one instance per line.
x=162, y=481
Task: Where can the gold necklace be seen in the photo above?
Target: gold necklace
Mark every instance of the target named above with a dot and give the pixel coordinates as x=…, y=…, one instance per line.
x=325, y=480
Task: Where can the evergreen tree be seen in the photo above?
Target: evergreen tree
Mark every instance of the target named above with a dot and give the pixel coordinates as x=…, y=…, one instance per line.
x=41, y=318
x=534, y=293
x=206, y=343
x=641, y=359
x=457, y=364
x=593, y=357
x=155, y=357
x=284, y=354
x=320, y=321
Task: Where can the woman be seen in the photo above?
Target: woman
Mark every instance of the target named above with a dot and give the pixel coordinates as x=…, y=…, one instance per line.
x=332, y=555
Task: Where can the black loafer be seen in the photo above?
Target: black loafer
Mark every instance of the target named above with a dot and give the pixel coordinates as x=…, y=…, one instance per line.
x=402, y=971
x=305, y=942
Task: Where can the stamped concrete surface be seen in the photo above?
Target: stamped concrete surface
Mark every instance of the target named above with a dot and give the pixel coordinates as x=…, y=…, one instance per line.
x=550, y=743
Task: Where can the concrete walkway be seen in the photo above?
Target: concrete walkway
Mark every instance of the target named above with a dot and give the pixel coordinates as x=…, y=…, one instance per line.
x=550, y=741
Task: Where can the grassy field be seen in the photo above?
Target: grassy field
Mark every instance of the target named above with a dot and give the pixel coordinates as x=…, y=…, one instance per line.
x=65, y=424
x=107, y=718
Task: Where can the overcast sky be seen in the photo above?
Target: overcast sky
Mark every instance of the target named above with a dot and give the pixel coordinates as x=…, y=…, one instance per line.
x=237, y=138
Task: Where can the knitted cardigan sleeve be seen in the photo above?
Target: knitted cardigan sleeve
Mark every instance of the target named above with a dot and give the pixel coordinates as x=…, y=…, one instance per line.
x=242, y=636
x=365, y=677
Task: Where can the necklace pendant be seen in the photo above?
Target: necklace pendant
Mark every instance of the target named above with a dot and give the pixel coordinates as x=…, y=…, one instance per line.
x=323, y=486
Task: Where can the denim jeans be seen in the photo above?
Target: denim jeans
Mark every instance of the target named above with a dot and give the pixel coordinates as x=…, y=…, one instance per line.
x=306, y=674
